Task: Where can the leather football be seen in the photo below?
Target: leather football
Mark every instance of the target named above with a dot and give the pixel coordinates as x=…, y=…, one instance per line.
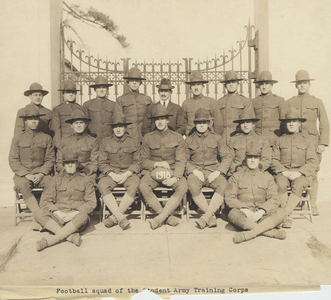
x=159, y=174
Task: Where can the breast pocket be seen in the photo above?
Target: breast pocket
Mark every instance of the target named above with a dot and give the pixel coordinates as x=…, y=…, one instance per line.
x=85, y=154
x=64, y=117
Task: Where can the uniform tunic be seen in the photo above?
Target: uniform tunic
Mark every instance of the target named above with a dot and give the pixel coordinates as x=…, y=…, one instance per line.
x=44, y=123
x=176, y=122
x=232, y=107
x=239, y=143
x=267, y=108
x=134, y=104
x=60, y=114
x=100, y=111
x=191, y=105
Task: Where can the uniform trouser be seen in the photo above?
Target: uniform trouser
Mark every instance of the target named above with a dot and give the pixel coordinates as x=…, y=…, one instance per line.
x=195, y=185
x=107, y=184
x=80, y=221
x=298, y=185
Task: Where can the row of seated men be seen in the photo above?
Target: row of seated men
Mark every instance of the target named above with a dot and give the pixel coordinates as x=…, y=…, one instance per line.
x=164, y=158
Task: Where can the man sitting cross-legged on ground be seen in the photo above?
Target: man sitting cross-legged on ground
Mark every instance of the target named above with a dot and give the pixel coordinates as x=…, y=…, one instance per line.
x=253, y=200
x=166, y=149
x=203, y=167
x=119, y=165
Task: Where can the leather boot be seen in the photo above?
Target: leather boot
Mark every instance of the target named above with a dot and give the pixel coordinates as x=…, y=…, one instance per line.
x=313, y=197
x=111, y=203
x=54, y=227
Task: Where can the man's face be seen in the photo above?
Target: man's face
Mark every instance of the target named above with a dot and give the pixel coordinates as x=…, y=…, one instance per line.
x=165, y=94
x=134, y=84
x=303, y=87
x=69, y=96
x=231, y=86
x=36, y=98
x=119, y=130
x=252, y=161
x=70, y=167
x=161, y=123
x=32, y=122
x=247, y=126
x=196, y=88
x=101, y=91
x=293, y=126
x=265, y=87
x=79, y=126
x=201, y=126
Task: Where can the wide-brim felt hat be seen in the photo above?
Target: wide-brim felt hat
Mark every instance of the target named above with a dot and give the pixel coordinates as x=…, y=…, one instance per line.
x=247, y=116
x=69, y=157
x=302, y=75
x=100, y=81
x=34, y=88
x=231, y=76
x=196, y=77
x=253, y=149
x=293, y=114
x=134, y=73
x=119, y=119
x=160, y=111
x=69, y=86
x=202, y=115
x=265, y=76
x=76, y=115
x=31, y=111
x=165, y=85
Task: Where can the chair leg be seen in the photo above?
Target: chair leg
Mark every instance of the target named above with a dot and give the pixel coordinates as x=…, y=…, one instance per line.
x=142, y=212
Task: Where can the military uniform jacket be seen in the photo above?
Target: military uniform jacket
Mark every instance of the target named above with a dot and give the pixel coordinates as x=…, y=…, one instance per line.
x=312, y=109
x=119, y=155
x=44, y=122
x=176, y=122
x=31, y=152
x=232, y=107
x=69, y=192
x=191, y=105
x=166, y=146
x=60, y=114
x=85, y=147
x=253, y=189
x=134, y=105
x=294, y=152
x=100, y=111
x=207, y=151
x=239, y=143
x=268, y=108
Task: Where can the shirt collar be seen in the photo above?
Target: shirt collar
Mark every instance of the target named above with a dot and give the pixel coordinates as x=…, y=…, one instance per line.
x=122, y=138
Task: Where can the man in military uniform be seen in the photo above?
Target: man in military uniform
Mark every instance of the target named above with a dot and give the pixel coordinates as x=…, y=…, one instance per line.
x=166, y=149
x=31, y=158
x=312, y=109
x=232, y=105
x=267, y=107
x=67, y=203
x=134, y=104
x=190, y=106
x=294, y=162
x=253, y=200
x=81, y=144
x=63, y=111
x=36, y=94
x=203, y=167
x=247, y=135
x=100, y=110
x=119, y=165
x=176, y=122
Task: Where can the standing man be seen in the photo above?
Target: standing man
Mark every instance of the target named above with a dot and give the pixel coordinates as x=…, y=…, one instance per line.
x=232, y=105
x=63, y=111
x=190, y=106
x=312, y=109
x=163, y=148
x=267, y=108
x=100, y=110
x=208, y=162
x=176, y=122
x=134, y=104
x=31, y=158
x=119, y=163
x=36, y=95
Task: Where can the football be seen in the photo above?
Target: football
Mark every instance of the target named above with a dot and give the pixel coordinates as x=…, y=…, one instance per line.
x=159, y=174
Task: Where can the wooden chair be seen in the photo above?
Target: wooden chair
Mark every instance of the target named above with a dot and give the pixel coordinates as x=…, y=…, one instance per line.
x=304, y=209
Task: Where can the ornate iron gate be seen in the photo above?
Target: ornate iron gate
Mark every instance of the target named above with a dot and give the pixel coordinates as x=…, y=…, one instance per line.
x=84, y=68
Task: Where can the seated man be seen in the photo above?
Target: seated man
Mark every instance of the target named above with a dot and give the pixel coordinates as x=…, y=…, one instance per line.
x=80, y=143
x=253, y=200
x=31, y=158
x=203, y=167
x=247, y=135
x=67, y=203
x=166, y=149
x=119, y=165
x=293, y=161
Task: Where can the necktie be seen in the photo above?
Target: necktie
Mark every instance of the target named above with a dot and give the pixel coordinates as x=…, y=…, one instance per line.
x=163, y=103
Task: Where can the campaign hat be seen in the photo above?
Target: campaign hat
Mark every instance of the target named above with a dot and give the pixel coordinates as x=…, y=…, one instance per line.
x=247, y=116
x=231, y=76
x=69, y=86
x=100, y=81
x=202, y=114
x=31, y=111
x=35, y=87
x=302, y=75
x=134, y=73
x=160, y=111
x=265, y=76
x=196, y=77
x=76, y=115
x=293, y=114
x=119, y=119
